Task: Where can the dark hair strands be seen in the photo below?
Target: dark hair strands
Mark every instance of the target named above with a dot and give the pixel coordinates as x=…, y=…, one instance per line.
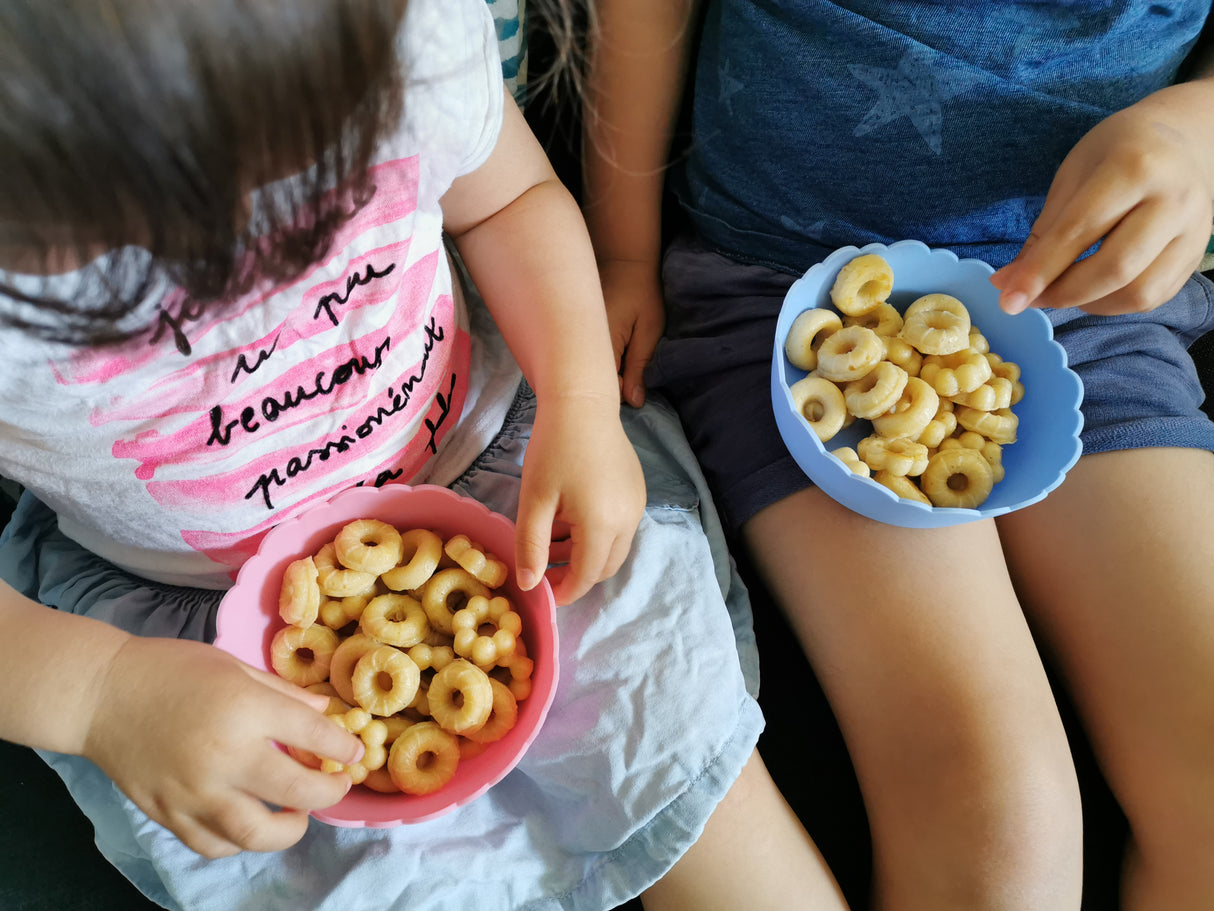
x=141, y=127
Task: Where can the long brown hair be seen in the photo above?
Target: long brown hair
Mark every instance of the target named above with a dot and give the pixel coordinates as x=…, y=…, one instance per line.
x=149, y=122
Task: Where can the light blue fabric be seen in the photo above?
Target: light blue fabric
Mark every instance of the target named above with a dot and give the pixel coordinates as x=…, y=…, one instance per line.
x=652, y=721
x=821, y=124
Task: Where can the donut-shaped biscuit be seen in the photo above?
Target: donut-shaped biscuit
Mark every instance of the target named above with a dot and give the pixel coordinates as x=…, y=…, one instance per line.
x=960, y=372
x=447, y=591
x=902, y=486
x=516, y=671
x=303, y=655
x=852, y=460
x=862, y=285
x=957, y=477
x=385, y=680
x=807, y=333
x=421, y=549
x=849, y=354
x=877, y=391
x=821, y=403
x=884, y=320
x=992, y=395
x=479, y=646
x=368, y=546
x=502, y=716
x=912, y=413
x=423, y=759
x=460, y=697
x=432, y=657
x=341, y=668
x=991, y=451
x=335, y=580
x=485, y=568
x=299, y=597
x=900, y=456
x=395, y=619
x=999, y=426
x=936, y=324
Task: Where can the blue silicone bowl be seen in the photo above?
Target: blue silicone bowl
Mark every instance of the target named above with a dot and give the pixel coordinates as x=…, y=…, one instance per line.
x=1047, y=442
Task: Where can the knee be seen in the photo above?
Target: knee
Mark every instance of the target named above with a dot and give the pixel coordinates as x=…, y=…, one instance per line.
x=1004, y=834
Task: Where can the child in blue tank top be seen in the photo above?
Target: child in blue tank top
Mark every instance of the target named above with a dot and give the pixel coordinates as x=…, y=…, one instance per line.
x=1027, y=135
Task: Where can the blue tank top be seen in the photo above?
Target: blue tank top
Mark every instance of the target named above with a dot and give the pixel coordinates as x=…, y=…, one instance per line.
x=818, y=124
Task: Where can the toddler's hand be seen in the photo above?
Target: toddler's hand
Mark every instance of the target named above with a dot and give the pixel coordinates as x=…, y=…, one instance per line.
x=1142, y=183
x=580, y=472
x=187, y=732
x=636, y=317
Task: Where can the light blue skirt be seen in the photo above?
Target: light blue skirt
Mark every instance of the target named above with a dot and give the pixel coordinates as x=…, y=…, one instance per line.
x=654, y=717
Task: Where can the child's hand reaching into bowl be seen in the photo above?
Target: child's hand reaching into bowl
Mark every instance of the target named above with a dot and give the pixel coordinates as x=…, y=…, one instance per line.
x=1141, y=183
x=187, y=732
x=582, y=473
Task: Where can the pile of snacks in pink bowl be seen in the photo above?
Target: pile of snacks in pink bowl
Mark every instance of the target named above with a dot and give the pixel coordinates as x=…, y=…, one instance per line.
x=251, y=626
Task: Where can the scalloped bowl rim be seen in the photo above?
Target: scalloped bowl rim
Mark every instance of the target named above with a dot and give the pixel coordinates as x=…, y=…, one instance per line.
x=476, y=775
x=864, y=495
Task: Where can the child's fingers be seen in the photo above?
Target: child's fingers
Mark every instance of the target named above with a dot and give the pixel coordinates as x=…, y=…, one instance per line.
x=640, y=352
x=246, y=822
x=533, y=532
x=282, y=781
x=589, y=555
x=1126, y=252
x=1157, y=284
x=301, y=727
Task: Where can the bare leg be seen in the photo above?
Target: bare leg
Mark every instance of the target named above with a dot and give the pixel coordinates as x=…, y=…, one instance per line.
x=1116, y=565
x=928, y=663
x=753, y=855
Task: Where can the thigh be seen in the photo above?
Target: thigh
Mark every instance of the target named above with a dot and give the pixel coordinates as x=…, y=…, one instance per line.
x=1115, y=570
x=922, y=649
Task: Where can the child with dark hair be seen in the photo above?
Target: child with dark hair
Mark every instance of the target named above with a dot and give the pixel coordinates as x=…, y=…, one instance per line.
x=232, y=249
x=1071, y=146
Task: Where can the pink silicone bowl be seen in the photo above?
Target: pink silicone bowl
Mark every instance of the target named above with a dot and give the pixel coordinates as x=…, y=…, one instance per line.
x=248, y=618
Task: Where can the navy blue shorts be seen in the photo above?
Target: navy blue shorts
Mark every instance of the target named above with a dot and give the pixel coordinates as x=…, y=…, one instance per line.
x=1140, y=385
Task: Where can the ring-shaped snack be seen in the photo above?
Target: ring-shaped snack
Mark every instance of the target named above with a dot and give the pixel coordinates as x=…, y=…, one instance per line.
x=299, y=597
x=849, y=354
x=952, y=374
x=303, y=655
x=502, y=716
x=484, y=567
x=421, y=549
x=821, y=403
x=481, y=648
x=957, y=477
x=877, y=391
x=936, y=324
x=900, y=455
x=884, y=319
x=368, y=545
x=912, y=413
x=903, y=353
x=460, y=697
x=341, y=668
x=385, y=680
x=447, y=591
x=395, y=619
x=335, y=580
x=1000, y=425
x=807, y=333
x=862, y=285
x=902, y=486
x=423, y=759
x=371, y=732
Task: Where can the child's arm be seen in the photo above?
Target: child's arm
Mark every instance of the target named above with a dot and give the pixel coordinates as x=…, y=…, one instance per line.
x=524, y=242
x=1142, y=181
x=156, y=715
x=638, y=63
